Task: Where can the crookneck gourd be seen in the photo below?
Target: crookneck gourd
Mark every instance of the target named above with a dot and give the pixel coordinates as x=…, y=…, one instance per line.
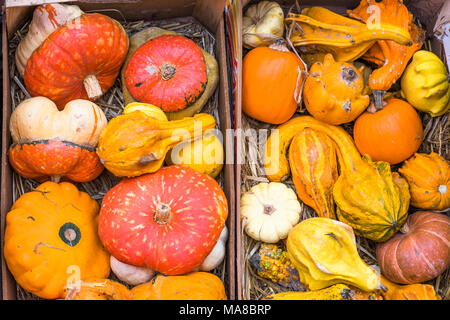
x=318, y=30
x=324, y=252
x=369, y=197
x=313, y=163
x=135, y=143
x=334, y=91
x=391, y=57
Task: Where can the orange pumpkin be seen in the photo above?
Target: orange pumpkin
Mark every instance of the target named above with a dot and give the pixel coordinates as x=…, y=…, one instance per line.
x=415, y=291
x=98, y=289
x=392, y=134
x=272, y=78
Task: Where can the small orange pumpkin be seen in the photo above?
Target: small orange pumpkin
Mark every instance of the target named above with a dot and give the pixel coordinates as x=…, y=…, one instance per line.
x=415, y=291
x=392, y=134
x=272, y=79
x=98, y=289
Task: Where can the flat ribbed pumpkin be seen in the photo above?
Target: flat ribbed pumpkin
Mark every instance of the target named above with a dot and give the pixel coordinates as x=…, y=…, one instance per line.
x=312, y=159
x=79, y=58
x=168, y=221
x=168, y=71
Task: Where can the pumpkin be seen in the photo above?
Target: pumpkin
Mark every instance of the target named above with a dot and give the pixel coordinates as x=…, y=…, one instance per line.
x=192, y=286
x=333, y=91
x=52, y=143
x=135, y=143
x=324, y=252
x=212, y=71
x=392, y=134
x=428, y=176
x=130, y=274
x=168, y=221
x=98, y=289
x=420, y=252
x=312, y=159
x=425, y=85
x=49, y=231
x=271, y=262
x=391, y=57
x=262, y=23
x=408, y=292
x=148, y=109
x=205, y=154
x=269, y=211
x=68, y=54
x=334, y=292
x=317, y=30
x=217, y=254
x=369, y=197
x=272, y=79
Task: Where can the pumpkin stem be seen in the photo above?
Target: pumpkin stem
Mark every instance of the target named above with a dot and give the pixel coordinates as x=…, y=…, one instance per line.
x=349, y=74
x=162, y=214
x=269, y=209
x=279, y=45
x=92, y=87
x=55, y=178
x=379, y=95
x=404, y=229
x=167, y=71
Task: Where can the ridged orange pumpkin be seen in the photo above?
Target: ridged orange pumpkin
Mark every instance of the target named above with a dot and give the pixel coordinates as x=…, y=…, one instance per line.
x=192, y=286
x=79, y=58
x=392, y=134
x=312, y=159
x=271, y=83
x=428, y=176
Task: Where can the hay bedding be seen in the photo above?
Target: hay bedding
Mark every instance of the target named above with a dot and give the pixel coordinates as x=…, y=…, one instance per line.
x=436, y=139
x=112, y=105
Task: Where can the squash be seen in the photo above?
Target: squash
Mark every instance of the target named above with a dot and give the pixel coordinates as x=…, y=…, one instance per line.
x=51, y=233
x=369, y=197
x=52, y=143
x=318, y=30
x=391, y=57
x=212, y=69
x=217, y=254
x=425, y=84
x=262, y=23
x=192, y=286
x=168, y=221
x=271, y=262
x=98, y=289
x=392, y=134
x=205, y=154
x=130, y=274
x=148, y=109
x=324, y=252
x=68, y=54
x=419, y=252
x=313, y=163
x=272, y=78
x=334, y=292
x=428, y=176
x=408, y=292
x=333, y=91
x=269, y=211
x=134, y=144
x=168, y=71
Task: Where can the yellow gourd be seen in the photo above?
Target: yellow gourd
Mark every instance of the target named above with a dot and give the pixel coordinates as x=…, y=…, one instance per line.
x=148, y=109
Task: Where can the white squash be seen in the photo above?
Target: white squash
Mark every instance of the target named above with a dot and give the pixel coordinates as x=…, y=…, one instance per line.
x=262, y=23
x=217, y=254
x=269, y=211
x=131, y=274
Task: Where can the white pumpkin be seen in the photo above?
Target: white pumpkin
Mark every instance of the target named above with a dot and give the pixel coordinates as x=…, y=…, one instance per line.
x=262, y=23
x=217, y=254
x=269, y=211
x=131, y=274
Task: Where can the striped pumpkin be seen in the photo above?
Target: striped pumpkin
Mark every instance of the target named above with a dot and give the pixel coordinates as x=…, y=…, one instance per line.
x=312, y=159
x=428, y=176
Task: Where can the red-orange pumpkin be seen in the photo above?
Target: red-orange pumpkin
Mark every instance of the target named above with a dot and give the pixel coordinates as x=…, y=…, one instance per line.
x=420, y=252
x=79, y=60
x=168, y=221
x=168, y=71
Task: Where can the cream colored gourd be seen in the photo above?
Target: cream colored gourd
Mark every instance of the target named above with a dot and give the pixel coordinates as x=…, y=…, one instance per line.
x=46, y=19
x=130, y=274
x=324, y=252
x=269, y=211
x=262, y=23
x=217, y=254
x=80, y=122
